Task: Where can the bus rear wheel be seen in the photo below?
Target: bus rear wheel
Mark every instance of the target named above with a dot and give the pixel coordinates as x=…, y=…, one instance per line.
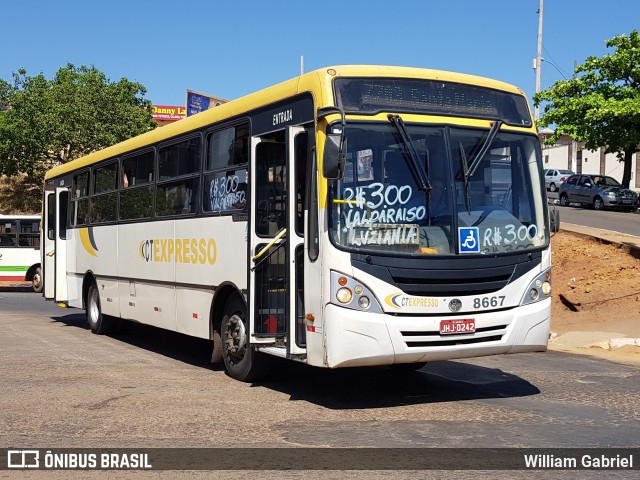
x=240, y=360
x=98, y=322
x=36, y=281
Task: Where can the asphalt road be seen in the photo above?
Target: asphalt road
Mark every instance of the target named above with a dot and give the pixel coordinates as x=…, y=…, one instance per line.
x=65, y=387
x=613, y=220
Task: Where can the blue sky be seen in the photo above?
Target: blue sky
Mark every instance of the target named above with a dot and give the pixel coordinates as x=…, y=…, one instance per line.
x=232, y=48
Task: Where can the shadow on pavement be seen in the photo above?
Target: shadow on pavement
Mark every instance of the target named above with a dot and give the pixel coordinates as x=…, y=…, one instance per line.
x=379, y=387
x=346, y=388
x=191, y=350
x=18, y=288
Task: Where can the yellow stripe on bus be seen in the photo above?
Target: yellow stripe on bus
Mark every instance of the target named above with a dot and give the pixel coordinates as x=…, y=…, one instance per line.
x=86, y=242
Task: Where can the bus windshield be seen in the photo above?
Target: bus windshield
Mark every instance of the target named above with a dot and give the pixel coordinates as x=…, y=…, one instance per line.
x=485, y=194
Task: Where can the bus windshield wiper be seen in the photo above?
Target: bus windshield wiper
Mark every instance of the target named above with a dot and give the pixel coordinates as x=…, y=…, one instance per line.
x=469, y=170
x=417, y=171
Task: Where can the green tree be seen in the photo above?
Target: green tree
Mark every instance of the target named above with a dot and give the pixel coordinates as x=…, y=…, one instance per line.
x=49, y=122
x=601, y=105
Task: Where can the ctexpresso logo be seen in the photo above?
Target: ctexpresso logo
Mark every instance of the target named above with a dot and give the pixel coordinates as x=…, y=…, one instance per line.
x=23, y=459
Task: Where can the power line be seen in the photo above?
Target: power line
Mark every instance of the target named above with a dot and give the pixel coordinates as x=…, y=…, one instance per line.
x=564, y=73
x=555, y=66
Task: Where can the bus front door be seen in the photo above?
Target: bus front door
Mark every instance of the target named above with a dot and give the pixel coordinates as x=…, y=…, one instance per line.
x=54, y=251
x=276, y=241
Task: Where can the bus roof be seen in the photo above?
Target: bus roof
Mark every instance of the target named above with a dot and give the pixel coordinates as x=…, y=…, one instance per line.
x=317, y=82
x=19, y=216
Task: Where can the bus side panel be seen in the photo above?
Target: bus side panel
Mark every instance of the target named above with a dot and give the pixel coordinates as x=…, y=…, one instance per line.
x=155, y=305
x=192, y=311
x=109, y=296
x=147, y=273
x=19, y=251
x=15, y=262
x=75, y=277
x=95, y=249
x=207, y=252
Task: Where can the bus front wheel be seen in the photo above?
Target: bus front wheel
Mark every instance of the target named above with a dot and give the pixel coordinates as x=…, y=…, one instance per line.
x=240, y=360
x=98, y=322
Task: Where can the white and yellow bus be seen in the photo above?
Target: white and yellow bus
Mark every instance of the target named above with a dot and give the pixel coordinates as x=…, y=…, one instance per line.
x=20, y=249
x=355, y=215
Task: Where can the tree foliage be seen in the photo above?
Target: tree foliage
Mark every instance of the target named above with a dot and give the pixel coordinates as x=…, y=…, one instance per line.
x=47, y=122
x=601, y=105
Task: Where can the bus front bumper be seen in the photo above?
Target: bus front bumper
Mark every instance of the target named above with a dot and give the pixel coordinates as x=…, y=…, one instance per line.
x=356, y=338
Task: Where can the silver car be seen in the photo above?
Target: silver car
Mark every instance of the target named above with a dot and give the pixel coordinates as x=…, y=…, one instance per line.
x=553, y=178
x=598, y=191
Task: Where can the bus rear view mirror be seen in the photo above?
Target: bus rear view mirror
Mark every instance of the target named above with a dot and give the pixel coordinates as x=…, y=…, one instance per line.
x=335, y=155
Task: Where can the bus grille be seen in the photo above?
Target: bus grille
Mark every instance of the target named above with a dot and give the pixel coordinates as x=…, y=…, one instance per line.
x=448, y=276
x=415, y=339
x=451, y=282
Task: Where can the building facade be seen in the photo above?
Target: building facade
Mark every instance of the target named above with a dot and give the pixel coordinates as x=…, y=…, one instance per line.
x=572, y=155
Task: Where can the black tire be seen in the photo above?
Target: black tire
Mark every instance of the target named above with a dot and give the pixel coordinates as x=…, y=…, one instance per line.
x=36, y=281
x=552, y=187
x=407, y=367
x=554, y=220
x=240, y=360
x=598, y=204
x=564, y=200
x=98, y=323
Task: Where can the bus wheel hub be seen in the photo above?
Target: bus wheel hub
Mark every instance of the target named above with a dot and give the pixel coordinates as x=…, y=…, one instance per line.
x=235, y=336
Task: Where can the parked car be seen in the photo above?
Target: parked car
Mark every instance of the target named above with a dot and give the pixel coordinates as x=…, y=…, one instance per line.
x=553, y=178
x=597, y=191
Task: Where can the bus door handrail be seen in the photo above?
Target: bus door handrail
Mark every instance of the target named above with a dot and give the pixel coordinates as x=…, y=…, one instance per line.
x=277, y=240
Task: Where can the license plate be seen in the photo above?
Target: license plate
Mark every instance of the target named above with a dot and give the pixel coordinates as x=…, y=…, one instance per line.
x=450, y=327
x=626, y=202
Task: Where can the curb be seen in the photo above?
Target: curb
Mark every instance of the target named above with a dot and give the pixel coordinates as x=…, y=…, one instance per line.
x=622, y=240
x=579, y=339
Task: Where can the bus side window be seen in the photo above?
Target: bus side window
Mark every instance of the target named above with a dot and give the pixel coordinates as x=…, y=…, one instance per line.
x=225, y=178
x=29, y=233
x=182, y=159
x=80, y=200
x=104, y=203
x=137, y=192
x=8, y=234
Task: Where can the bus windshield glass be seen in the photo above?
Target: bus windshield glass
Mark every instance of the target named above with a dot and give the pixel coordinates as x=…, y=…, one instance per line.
x=485, y=193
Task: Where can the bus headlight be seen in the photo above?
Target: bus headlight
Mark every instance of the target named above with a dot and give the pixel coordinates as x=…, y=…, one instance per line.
x=350, y=293
x=344, y=295
x=364, y=302
x=539, y=289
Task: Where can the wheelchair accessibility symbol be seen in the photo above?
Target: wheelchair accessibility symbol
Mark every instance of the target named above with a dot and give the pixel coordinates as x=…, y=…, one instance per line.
x=469, y=239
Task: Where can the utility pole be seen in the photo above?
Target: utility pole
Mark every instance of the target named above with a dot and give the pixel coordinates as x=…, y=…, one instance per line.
x=573, y=161
x=301, y=64
x=538, y=60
